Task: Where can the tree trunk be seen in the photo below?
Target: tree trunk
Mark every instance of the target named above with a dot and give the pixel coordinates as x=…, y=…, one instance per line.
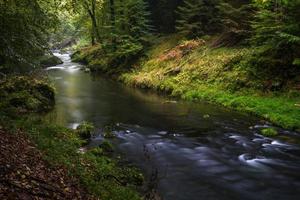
x=112, y=23
x=92, y=14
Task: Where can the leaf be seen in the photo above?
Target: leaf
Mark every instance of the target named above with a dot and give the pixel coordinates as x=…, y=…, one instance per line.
x=296, y=61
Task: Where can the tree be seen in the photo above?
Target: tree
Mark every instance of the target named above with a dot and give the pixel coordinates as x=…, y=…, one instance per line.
x=124, y=23
x=163, y=15
x=24, y=27
x=198, y=17
x=91, y=9
x=277, y=33
x=234, y=16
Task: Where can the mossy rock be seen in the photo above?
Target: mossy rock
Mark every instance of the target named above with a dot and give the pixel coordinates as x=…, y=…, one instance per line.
x=108, y=131
x=49, y=60
x=27, y=94
x=85, y=129
x=108, y=134
x=269, y=132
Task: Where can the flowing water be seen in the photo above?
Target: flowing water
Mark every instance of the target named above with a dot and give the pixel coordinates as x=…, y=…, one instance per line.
x=193, y=151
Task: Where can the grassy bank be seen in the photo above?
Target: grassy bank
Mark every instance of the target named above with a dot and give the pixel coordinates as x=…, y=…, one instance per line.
x=196, y=70
x=22, y=98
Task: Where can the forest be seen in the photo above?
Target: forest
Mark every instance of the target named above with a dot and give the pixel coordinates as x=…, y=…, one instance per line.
x=145, y=72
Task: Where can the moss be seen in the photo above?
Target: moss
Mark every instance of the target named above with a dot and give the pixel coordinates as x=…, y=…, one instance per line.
x=269, y=132
x=85, y=129
x=107, y=146
x=23, y=94
x=49, y=60
x=108, y=132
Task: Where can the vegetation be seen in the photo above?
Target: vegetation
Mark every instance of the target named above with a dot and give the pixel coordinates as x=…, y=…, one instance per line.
x=100, y=174
x=96, y=170
x=22, y=94
x=215, y=75
x=198, y=17
x=269, y=132
x=24, y=31
x=85, y=129
x=241, y=54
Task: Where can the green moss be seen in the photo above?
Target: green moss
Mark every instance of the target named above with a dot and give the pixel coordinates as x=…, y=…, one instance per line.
x=49, y=60
x=108, y=132
x=23, y=94
x=85, y=129
x=107, y=146
x=269, y=132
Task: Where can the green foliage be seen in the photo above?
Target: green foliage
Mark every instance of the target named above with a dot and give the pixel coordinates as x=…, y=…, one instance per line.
x=269, y=132
x=198, y=17
x=122, y=29
x=236, y=17
x=277, y=32
x=24, y=28
x=162, y=14
x=126, y=30
x=85, y=129
x=101, y=175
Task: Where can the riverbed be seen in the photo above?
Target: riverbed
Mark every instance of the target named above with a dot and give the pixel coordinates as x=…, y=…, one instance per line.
x=191, y=151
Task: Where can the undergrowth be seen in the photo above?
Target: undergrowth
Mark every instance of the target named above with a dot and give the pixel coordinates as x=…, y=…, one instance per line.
x=101, y=175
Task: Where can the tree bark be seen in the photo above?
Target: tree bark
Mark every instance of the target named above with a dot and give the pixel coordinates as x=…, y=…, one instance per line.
x=112, y=22
x=92, y=13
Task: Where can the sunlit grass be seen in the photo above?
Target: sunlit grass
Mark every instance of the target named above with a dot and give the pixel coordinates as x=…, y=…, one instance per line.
x=213, y=75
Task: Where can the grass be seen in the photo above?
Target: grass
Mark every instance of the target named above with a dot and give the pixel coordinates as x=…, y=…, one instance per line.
x=216, y=75
x=269, y=132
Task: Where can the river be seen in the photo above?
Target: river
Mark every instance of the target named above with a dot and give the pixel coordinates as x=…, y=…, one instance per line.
x=194, y=151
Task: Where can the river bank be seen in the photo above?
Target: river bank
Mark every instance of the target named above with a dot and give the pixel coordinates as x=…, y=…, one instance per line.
x=188, y=150
x=52, y=153
x=195, y=70
x=28, y=176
